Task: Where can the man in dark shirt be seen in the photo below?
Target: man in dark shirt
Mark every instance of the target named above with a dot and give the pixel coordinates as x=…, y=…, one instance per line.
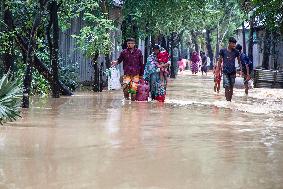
x=246, y=67
x=133, y=68
x=227, y=62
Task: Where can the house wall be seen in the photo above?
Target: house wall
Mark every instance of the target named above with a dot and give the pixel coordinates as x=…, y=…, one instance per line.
x=71, y=55
x=258, y=49
x=69, y=50
x=280, y=54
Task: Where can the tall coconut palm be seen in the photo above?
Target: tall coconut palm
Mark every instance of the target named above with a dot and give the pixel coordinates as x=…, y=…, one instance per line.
x=10, y=99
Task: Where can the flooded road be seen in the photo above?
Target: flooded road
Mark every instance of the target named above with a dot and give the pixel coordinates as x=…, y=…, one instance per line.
x=195, y=140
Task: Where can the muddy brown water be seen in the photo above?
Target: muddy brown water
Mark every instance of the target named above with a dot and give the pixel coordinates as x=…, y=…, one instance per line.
x=194, y=140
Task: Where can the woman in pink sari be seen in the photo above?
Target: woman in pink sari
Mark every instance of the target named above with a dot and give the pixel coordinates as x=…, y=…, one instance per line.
x=195, y=61
x=182, y=64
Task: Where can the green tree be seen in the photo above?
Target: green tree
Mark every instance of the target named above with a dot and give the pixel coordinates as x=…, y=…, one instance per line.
x=219, y=19
x=269, y=12
x=35, y=27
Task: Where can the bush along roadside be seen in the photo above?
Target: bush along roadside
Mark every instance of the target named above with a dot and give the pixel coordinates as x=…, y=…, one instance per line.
x=69, y=75
x=40, y=86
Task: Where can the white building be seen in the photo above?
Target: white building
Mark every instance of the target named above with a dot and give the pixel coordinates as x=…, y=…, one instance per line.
x=276, y=50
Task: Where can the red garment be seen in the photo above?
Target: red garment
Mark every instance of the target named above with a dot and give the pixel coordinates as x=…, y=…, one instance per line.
x=160, y=98
x=217, y=79
x=195, y=57
x=163, y=56
x=132, y=62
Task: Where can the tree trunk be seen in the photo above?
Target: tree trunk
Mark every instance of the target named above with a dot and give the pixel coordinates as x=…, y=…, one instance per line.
x=27, y=86
x=251, y=39
x=244, y=37
x=163, y=42
x=37, y=64
x=181, y=45
x=183, y=49
x=55, y=49
x=30, y=53
x=8, y=59
x=29, y=57
x=124, y=34
x=152, y=41
x=209, y=47
x=275, y=53
x=27, y=83
x=146, y=49
x=172, y=66
x=217, y=48
x=266, y=49
x=194, y=41
x=102, y=68
x=42, y=68
x=96, y=84
x=100, y=77
x=168, y=43
x=107, y=61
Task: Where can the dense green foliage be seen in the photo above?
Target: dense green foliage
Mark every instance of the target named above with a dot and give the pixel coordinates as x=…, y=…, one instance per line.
x=221, y=18
x=93, y=37
x=29, y=38
x=39, y=85
x=270, y=13
x=165, y=17
x=69, y=75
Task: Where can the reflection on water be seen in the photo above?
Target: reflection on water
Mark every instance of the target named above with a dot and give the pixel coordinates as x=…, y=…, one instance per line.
x=195, y=140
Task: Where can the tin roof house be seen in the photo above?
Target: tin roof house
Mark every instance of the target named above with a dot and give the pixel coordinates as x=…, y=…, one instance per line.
x=72, y=56
x=275, y=44
x=267, y=55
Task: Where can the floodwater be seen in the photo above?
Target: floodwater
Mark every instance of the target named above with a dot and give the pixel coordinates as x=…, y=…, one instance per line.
x=196, y=140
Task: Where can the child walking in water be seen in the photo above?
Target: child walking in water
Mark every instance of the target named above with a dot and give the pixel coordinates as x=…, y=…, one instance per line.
x=217, y=76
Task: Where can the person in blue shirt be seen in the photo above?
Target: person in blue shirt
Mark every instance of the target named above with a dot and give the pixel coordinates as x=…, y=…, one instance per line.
x=227, y=58
x=246, y=67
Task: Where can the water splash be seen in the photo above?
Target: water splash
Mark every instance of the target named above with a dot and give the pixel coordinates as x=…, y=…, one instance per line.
x=255, y=108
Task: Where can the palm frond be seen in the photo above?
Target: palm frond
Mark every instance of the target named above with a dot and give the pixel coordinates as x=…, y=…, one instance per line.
x=10, y=99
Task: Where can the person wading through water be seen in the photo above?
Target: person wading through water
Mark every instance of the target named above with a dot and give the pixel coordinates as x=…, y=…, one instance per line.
x=246, y=67
x=227, y=62
x=152, y=74
x=203, y=63
x=133, y=67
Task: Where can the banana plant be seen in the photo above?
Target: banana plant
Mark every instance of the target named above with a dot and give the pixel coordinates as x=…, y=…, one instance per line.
x=10, y=99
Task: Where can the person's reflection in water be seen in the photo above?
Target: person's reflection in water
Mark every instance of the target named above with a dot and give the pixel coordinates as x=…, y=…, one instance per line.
x=226, y=136
x=161, y=131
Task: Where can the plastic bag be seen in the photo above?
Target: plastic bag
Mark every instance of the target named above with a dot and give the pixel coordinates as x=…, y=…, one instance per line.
x=239, y=83
x=113, y=76
x=143, y=91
